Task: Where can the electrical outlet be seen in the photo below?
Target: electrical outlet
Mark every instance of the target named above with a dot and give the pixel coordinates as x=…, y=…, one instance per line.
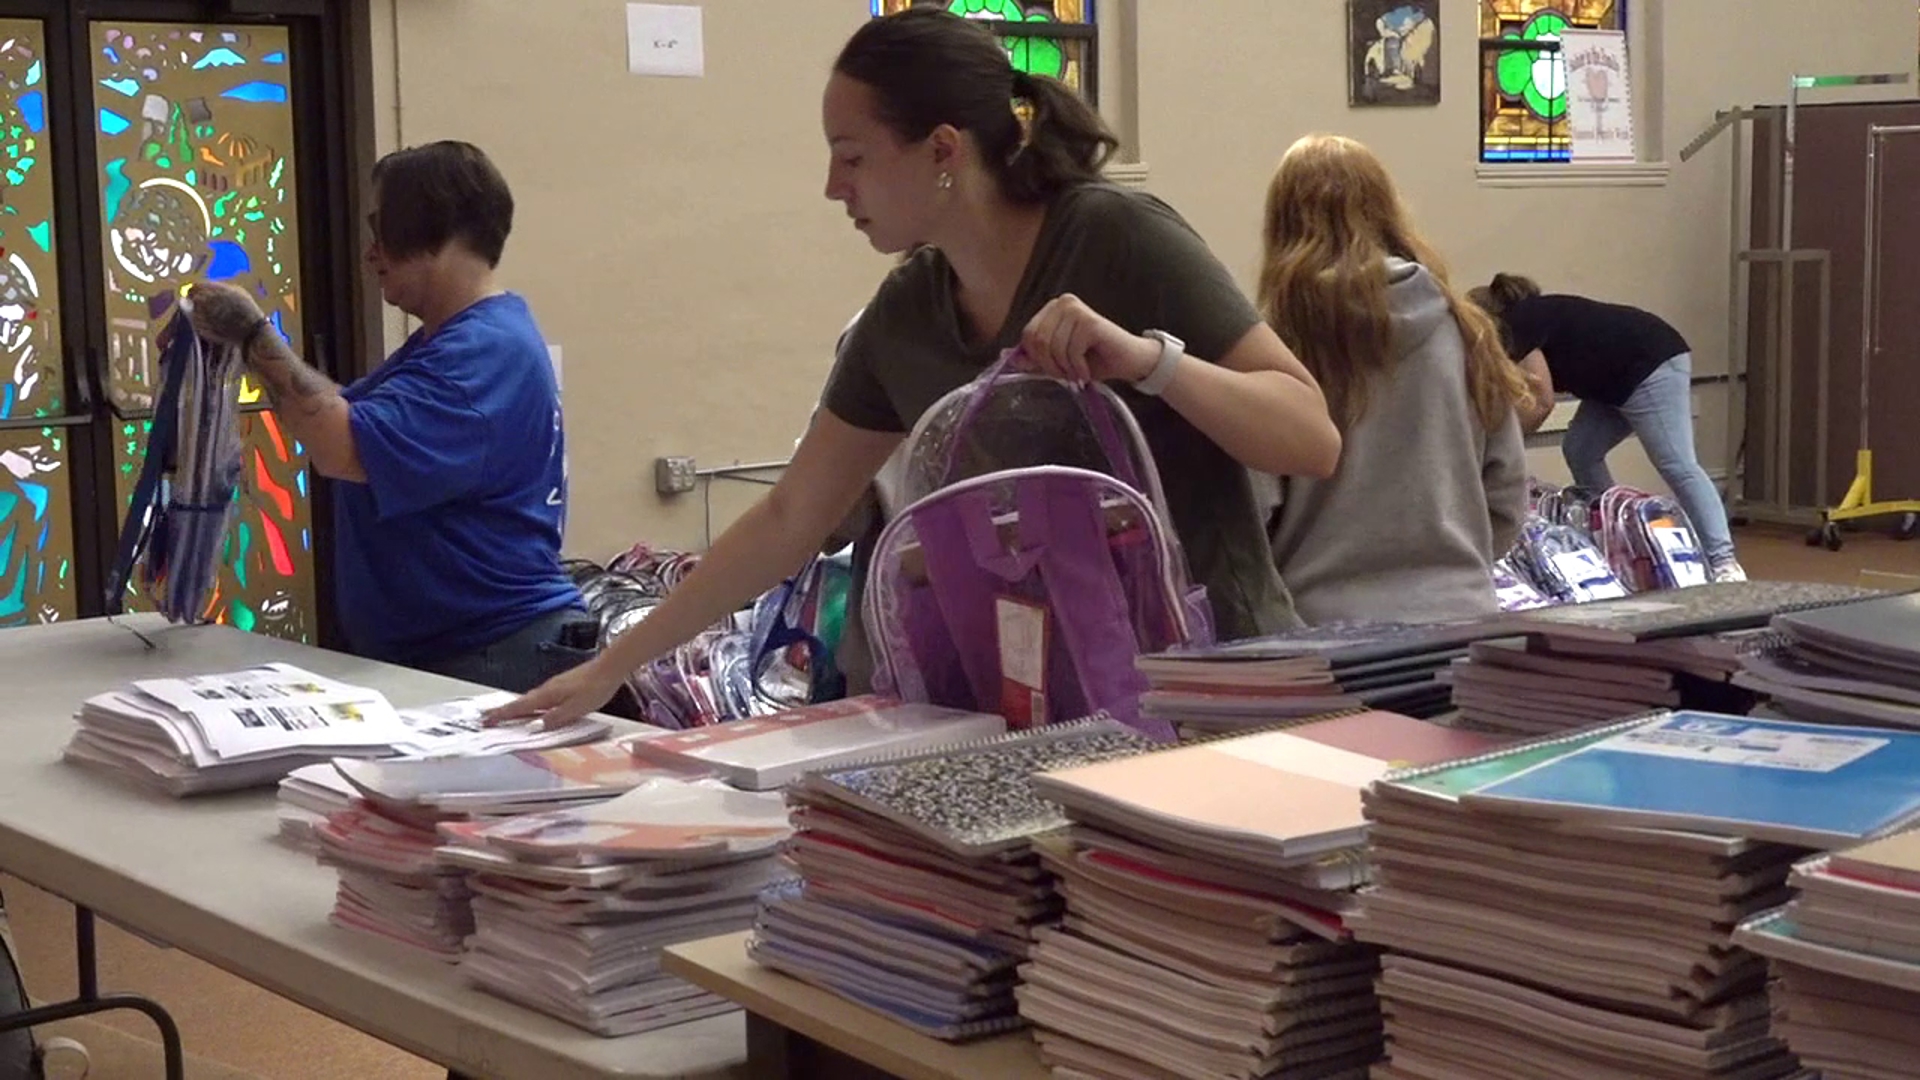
x=673, y=475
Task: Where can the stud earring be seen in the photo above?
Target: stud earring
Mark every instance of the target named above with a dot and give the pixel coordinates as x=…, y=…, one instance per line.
x=946, y=181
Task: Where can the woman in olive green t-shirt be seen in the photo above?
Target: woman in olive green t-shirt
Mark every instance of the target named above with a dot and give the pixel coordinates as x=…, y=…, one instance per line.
x=1024, y=245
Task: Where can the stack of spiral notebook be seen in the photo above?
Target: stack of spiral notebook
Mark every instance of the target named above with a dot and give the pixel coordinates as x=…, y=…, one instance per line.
x=572, y=907
x=1582, y=664
x=1585, y=947
x=382, y=843
x=1206, y=889
x=1852, y=664
x=1249, y=684
x=919, y=888
x=1846, y=960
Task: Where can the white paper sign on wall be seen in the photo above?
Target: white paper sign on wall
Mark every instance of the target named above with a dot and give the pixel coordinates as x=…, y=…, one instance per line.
x=1599, y=94
x=665, y=39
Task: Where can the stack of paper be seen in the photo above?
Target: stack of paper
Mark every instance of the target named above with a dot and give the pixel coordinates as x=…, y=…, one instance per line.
x=920, y=887
x=1846, y=960
x=572, y=907
x=1572, y=901
x=1582, y=664
x=383, y=844
x=251, y=728
x=1310, y=672
x=1206, y=889
x=1854, y=664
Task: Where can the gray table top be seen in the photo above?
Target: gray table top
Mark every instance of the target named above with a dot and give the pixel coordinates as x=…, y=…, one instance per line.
x=206, y=876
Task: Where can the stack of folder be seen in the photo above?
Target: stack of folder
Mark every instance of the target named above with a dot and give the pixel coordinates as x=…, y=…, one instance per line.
x=572, y=907
x=1206, y=893
x=1846, y=960
x=1852, y=664
x=1589, y=887
x=1250, y=684
x=920, y=890
x=1587, y=950
x=1577, y=665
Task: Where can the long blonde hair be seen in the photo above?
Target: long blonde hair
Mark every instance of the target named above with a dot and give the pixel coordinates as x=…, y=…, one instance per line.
x=1332, y=219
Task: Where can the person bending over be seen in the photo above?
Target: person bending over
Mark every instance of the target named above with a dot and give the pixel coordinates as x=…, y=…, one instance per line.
x=1633, y=374
x=1026, y=247
x=1432, y=484
x=449, y=488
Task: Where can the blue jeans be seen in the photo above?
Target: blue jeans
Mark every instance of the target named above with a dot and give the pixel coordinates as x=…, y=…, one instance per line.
x=1660, y=412
x=520, y=661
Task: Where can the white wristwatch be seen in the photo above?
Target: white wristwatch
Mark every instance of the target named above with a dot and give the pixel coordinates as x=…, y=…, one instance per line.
x=1171, y=349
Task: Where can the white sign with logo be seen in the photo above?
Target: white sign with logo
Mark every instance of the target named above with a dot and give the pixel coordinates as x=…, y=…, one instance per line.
x=1599, y=94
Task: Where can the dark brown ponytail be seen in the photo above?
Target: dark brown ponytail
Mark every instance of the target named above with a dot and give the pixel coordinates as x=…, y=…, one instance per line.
x=928, y=67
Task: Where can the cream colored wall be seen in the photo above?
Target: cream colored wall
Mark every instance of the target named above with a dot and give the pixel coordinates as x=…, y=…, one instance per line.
x=672, y=237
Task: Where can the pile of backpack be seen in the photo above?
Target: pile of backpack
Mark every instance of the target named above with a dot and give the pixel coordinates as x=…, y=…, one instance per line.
x=1576, y=546
x=774, y=655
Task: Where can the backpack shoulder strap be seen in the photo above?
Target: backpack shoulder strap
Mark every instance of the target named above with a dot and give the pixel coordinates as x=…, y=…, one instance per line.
x=145, y=510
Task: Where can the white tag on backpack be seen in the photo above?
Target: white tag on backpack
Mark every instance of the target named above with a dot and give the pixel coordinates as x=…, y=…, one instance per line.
x=1022, y=627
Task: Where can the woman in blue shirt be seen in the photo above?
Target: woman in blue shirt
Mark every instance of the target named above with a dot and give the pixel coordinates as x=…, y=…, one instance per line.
x=447, y=460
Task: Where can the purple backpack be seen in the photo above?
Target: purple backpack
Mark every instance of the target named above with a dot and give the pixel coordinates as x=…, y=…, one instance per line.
x=1030, y=591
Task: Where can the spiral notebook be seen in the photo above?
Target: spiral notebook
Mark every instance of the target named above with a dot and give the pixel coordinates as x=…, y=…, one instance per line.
x=1272, y=798
x=974, y=799
x=1805, y=785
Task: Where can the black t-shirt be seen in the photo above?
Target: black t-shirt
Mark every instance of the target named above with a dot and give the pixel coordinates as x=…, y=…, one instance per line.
x=1595, y=351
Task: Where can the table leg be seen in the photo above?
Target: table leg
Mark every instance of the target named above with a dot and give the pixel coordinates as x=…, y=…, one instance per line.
x=775, y=1052
x=91, y=1002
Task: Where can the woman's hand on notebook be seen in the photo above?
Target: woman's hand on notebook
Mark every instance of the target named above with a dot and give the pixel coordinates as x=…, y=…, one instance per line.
x=562, y=699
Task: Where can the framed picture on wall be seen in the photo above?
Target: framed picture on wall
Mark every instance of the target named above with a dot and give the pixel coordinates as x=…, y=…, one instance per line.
x=1393, y=52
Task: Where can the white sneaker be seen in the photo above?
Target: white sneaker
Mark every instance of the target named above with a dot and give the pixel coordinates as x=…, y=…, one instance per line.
x=1727, y=569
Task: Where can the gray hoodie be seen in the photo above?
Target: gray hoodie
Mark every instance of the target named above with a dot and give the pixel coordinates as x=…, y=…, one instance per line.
x=1424, y=499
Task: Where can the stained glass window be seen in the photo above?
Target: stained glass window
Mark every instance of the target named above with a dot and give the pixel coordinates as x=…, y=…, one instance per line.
x=36, y=500
x=1524, y=93
x=34, y=374
x=1043, y=37
x=195, y=142
x=36, y=527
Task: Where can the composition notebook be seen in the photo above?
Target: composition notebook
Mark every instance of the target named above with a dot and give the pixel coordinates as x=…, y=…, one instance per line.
x=1807, y=785
x=975, y=799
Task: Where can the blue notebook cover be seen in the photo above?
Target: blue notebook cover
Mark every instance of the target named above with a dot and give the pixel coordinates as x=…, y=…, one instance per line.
x=1809, y=785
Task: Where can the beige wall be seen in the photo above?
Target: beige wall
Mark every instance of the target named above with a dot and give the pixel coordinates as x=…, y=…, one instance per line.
x=673, y=240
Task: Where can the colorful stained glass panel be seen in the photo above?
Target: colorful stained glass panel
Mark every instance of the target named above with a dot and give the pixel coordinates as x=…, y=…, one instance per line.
x=195, y=143
x=1063, y=59
x=32, y=372
x=1526, y=92
x=36, y=527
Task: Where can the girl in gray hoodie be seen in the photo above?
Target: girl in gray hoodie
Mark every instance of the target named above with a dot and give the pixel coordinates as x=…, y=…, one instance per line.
x=1432, y=481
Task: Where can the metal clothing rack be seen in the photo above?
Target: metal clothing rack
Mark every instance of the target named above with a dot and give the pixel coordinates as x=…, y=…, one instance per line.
x=1774, y=504
x=90, y=1001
